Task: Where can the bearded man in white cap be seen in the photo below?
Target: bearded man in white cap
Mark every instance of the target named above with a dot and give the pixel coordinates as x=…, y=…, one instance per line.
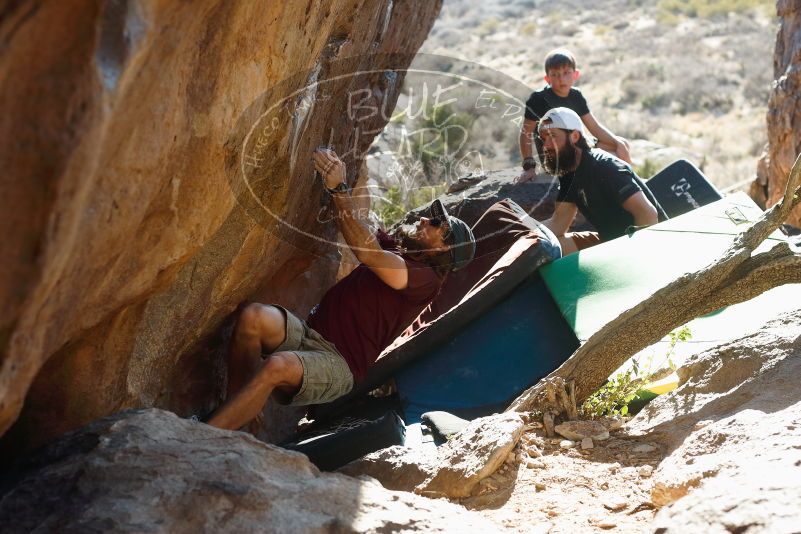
x=604, y=188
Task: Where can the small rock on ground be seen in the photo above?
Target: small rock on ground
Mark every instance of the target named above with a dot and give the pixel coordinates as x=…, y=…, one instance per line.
x=578, y=430
x=616, y=503
x=602, y=522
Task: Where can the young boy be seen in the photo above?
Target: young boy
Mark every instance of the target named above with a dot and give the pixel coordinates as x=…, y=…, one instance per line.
x=561, y=74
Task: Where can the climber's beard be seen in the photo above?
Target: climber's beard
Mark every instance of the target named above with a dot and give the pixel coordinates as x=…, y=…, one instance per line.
x=561, y=162
x=408, y=237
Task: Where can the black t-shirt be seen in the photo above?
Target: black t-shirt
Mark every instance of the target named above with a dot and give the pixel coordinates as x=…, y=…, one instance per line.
x=598, y=187
x=541, y=101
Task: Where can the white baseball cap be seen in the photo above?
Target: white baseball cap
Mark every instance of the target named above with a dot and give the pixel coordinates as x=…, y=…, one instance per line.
x=563, y=118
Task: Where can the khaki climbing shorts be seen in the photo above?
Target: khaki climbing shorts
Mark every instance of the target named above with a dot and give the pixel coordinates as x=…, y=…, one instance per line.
x=326, y=375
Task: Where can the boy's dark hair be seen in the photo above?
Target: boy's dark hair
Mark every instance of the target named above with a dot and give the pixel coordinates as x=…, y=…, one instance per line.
x=558, y=58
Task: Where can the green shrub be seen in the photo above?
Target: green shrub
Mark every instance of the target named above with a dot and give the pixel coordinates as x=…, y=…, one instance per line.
x=614, y=397
x=631, y=89
x=655, y=71
x=676, y=337
x=654, y=101
x=445, y=132
x=529, y=28
x=489, y=26
x=647, y=169
x=392, y=207
x=602, y=29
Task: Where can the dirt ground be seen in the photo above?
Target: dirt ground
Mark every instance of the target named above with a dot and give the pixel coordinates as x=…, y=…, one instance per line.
x=550, y=488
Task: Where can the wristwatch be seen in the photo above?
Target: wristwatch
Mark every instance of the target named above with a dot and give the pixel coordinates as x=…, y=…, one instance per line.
x=529, y=163
x=341, y=188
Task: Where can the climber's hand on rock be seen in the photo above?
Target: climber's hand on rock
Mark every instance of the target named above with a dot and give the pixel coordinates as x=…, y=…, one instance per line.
x=330, y=167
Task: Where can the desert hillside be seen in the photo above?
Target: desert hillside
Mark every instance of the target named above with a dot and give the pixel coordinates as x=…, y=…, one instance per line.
x=688, y=74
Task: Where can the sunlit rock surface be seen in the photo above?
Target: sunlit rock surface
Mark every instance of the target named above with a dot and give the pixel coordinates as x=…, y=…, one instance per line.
x=128, y=131
x=784, y=112
x=149, y=471
x=733, y=434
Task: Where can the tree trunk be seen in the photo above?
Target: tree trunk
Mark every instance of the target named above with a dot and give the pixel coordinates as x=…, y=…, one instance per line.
x=735, y=277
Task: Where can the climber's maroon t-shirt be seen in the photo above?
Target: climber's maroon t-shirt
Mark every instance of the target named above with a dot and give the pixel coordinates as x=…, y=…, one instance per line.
x=361, y=315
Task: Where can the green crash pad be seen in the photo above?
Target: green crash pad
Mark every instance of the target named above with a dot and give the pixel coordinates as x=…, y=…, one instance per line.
x=595, y=285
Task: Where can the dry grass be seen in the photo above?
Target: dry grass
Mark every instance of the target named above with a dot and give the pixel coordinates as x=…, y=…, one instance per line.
x=674, y=10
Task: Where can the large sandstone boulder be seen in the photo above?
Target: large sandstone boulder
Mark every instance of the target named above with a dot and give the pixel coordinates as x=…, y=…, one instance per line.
x=733, y=434
x=156, y=173
x=784, y=113
x=149, y=471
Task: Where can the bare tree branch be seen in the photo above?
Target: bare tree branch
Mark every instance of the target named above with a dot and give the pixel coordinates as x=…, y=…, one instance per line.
x=777, y=214
x=761, y=278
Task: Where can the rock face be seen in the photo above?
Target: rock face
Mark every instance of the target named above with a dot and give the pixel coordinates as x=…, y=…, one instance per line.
x=733, y=432
x=784, y=112
x=581, y=430
x=157, y=173
x=149, y=471
x=453, y=469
